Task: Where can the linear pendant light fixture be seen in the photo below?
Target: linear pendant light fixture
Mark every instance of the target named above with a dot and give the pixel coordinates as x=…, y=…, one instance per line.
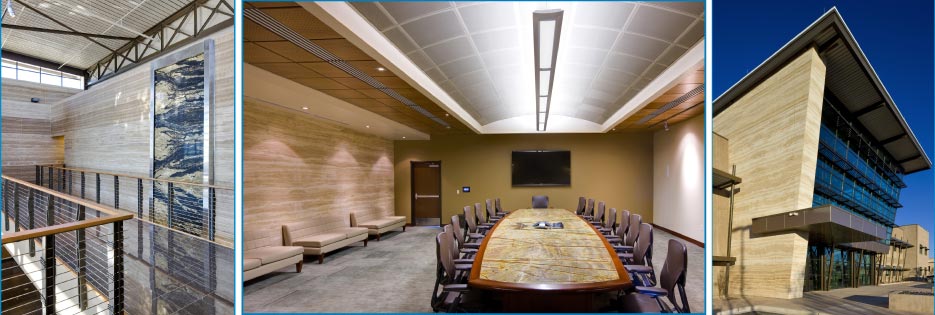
x=546, y=30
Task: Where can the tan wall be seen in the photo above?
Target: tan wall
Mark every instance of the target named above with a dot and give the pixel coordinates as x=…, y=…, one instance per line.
x=720, y=215
x=678, y=178
x=614, y=168
x=297, y=168
x=907, y=257
x=107, y=127
x=773, y=132
x=27, y=127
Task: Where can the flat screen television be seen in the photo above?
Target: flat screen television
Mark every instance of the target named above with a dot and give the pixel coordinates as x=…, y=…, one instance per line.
x=541, y=168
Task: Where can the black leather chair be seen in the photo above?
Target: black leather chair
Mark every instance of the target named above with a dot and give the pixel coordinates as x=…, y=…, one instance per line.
x=450, y=283
x=468, y=249
x=671, y=287
x=633, y=233
x=589, y=210
x=621, y=231
x=473, y=232
x=581, y=203
x=500, y=211
x=540, y=202
x=608, y=227
x=492, y=215
x=598, y=218
x=641, y=259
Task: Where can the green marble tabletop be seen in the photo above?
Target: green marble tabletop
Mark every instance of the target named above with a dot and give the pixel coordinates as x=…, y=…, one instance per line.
x=517, y=252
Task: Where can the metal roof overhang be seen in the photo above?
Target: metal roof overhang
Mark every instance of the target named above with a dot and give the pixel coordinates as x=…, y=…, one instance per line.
x=827, y=224
x=851, y=78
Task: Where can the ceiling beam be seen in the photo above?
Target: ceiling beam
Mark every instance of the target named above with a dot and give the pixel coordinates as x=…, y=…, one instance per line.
x=893, y=139
x=868, y=109
x=52, y=31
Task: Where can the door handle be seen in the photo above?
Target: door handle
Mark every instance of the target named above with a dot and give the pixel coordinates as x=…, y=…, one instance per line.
x=425, y=196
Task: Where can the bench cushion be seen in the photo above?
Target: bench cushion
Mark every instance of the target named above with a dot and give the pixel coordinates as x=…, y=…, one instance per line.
x=382, y=223
x=272, y=254
x=320, y=240
x=251, y=263
x=350, y=232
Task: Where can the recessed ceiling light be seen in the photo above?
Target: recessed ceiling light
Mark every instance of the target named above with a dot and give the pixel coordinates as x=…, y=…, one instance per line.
x=446, y=115
x=615, y=129
x=381, y=69
x=305, y=107
x=547, y=29
x=368, y=126
x=404, y=137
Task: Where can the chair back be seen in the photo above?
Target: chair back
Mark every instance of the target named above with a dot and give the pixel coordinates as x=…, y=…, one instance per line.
x=624, y=223
x=457, y=231
x=479, y=212
x=497, y=202
x=471, y=219
x=580, y=209
x=674, y=272
x=491, y=211
x=643, y=249
x=633, y=232
x=540, y=202
x=599, y=215
x=590, y=208
x=611, y=219
x=444, y=242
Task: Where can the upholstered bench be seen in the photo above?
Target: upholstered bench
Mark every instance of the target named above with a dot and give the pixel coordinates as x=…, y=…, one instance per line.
x=381, y=225
x=263, y=260
x=320, y=243
x=264, y=254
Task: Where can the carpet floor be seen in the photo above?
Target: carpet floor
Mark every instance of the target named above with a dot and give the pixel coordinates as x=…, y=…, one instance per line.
x=394, y=275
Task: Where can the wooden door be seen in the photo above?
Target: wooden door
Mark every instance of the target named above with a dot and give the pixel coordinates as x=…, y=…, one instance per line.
x=426, y=192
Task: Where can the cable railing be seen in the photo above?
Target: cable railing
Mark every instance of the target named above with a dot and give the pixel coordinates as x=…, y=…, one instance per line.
x=61, y=254
x=203, y=210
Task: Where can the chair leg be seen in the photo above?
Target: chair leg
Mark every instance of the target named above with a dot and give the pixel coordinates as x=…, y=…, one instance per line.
x=404, y=228
x=365, y=242
x=321, y=258
x=378, y=237
x=298, y=267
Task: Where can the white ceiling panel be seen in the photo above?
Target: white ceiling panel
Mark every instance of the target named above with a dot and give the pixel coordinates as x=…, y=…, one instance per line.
x=481, y=53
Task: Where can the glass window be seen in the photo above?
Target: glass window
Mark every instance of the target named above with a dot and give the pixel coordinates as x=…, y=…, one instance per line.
x=32, y=73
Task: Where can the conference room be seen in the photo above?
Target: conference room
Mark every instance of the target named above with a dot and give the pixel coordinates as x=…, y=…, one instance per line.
x=473, y=157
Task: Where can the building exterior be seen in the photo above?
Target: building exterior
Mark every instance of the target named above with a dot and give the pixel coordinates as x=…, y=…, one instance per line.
x=822, y=150
x=908, y=255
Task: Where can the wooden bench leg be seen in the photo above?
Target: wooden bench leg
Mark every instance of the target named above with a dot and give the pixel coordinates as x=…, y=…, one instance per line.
x=365, y=242
x=321, y=258
x=298, y=267
x=378, y=237
x=404, y=228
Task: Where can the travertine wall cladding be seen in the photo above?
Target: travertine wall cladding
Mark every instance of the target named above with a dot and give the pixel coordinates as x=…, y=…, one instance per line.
x=27, y=127
x=107, y=127
x=299, y=168
x=773, y=140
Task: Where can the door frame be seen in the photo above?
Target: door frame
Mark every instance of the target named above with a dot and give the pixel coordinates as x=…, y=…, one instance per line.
x=412, y=194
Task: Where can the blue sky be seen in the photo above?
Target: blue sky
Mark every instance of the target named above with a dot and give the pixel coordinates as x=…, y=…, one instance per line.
x=897, y=39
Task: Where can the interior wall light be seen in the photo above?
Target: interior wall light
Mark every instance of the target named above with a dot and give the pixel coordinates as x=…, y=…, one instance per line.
x=547, y=30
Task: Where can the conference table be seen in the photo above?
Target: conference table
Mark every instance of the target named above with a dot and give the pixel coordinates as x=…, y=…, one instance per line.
x=535, y=269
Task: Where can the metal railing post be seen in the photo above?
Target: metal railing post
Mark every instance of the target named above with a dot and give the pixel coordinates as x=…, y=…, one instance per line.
x=71, y=182
x=30, y=206
x=16, y=208
x=116, y=192
x=139, y=197
x=39, y=175
x=61, y=177
x=212, y=206
x=51, y=178
x=97, y=176
x=82, y=262
x=50, y=273
x=118, y=300
x=171, y=206
x=6, y=207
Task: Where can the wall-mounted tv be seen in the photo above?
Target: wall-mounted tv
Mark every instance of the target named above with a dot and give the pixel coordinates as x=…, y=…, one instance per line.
x=541, y=168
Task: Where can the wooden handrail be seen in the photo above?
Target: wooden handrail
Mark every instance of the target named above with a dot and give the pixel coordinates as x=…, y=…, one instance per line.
x=137, y=177
x=87, y=203
x=62, y=228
